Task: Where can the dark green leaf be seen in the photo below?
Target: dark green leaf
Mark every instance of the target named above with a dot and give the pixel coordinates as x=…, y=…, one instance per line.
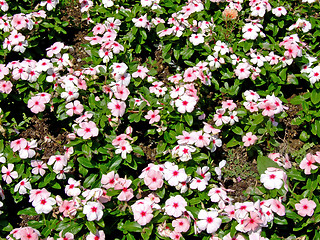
x=264, y=162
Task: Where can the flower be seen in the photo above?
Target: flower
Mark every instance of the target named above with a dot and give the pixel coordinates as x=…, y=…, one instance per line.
x=8, y=174
x=273, y=178
x=93, y=210
x=74, y=108
x=22, y=186
x=142, y=213
x=153, y=179
x=87, y=130
x=208, y=221
x=308, y=163
x=181, y=225
x=100, y=235
x=117, y=107
x=305, y=207
x=175, y=206
x=153, y=116
x=230, y=14
x=249, y=139
x=43, y=205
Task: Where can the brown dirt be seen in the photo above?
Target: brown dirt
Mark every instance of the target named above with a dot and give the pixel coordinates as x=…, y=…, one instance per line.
x=48, y=136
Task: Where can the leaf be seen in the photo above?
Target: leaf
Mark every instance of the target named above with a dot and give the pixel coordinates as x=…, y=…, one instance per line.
x=89, y=180
x=297, y=100
x=264, y=162
x=280, y=221
x=199, y=157
x=91, y=226
x=258, y=119
x=296, y=175
x=315, y=96
x=138, y=150
x=132, y=227
x=237, y=131
x=233, y=142
x=28, y=211
x=85, y=162
x=304, y=136
x=189, y=119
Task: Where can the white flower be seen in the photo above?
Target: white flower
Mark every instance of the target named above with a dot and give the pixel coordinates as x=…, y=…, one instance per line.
x=43, y=205
x=22, y=186
x=71, y=189
x=208, y=221
x=93, y=210
x=196, y=39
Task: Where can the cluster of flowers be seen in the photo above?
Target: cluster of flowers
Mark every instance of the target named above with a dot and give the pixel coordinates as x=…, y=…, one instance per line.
x=208, y=137
x=308, y=162
x=122, y=145
x=16, y=41
x=108, y=32
x=270, y=106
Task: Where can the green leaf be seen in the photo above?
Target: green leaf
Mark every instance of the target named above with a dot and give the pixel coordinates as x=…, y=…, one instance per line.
x=304, y=136
x=131, y=227
x=189, y=119
x=199, y=157
x=258, y=119
x=296, y=175
x=91, y=226
x=297, y=100
x=264, y=162
x=138, y=150
x=315, y=96
x=85, y=162
x=28, y=211
x=233, y=142
x=90, y=180
x=237, y=131
x=280, y=221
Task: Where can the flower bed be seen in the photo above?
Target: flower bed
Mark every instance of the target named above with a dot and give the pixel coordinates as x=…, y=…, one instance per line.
x=160, y=119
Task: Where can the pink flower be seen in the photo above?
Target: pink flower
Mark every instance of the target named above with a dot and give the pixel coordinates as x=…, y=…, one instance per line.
x=252, y=223
x=100, y=235
x=181, y=225
x=87, y=130
x=229, y=104
x=117, y=107
x=36, y=104
x=208, y=221
x=74, y=108
x=68, y=208
x=305, y=207
x=175, y=206
x=43, y=205
x=142, y=213
x=126, y=193
x=5, y=87
x=249, y=139
x=18, y=144
x=277, y=207
x=93, y=210
x=153, y=179
x=122, y=92
x=27, y=233
x=141, y=72
x=308, y=163
x=242, y=70
x=219, y=118
x=8, y=174
x=109, y=180
x=153, y=116
x=18, y=21
x=67, y=236
x=54, y=48
x=196, y=39
x=59, y=161
x=27, y=151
